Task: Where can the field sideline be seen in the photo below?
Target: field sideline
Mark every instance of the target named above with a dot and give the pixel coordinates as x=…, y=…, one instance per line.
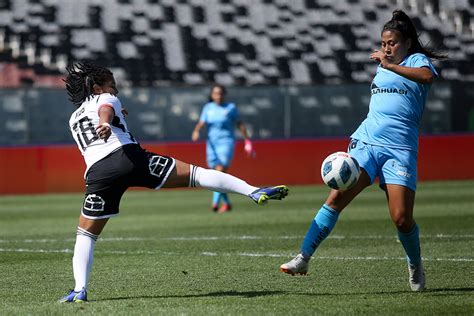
x=167, y=253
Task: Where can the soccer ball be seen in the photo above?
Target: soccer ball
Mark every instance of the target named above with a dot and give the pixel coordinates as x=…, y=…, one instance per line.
x=340, y=171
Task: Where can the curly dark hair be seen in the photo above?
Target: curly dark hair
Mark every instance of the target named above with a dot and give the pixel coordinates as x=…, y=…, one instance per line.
x=223, y=89
x=401, y=22
x=81, y=78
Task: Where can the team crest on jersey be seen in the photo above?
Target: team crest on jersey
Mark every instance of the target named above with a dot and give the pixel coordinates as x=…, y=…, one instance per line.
x=157, y=165
x=94, y=203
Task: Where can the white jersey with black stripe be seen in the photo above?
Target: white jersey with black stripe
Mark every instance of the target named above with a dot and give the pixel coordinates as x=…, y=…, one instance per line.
x=85, y=120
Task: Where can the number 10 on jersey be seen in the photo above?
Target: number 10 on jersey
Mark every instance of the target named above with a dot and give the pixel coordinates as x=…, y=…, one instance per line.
x=85, y=132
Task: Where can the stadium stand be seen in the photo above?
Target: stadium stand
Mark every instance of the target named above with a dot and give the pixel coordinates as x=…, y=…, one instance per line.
x=239, y=42
x=304, y=63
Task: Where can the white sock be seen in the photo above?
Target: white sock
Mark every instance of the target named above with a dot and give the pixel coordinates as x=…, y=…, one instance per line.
x=83, y=257
x=218, y=181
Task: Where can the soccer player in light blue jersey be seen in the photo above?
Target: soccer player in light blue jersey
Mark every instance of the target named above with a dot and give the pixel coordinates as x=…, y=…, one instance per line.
x=221, y=118
x=386, y=144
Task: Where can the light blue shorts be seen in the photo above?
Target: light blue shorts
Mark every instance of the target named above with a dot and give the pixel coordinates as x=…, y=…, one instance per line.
x=390, y=165
x=220, y=153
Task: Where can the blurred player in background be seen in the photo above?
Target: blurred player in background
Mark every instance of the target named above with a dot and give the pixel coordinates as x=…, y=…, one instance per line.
x=221, y=118
x=386, y=144
x=115, y=161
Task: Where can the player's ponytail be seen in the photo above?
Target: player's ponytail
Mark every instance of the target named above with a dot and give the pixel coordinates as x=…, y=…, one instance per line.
x=401, y=22
x=81, y=79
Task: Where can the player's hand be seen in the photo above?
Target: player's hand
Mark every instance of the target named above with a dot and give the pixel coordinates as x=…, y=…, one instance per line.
x=104, y=131
x=380, y=57
x=248, y=148
x=195, y=136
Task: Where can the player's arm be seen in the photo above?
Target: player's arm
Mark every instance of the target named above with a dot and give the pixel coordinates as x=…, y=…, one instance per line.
x=106, y=114
x=197, y=128
x=421, y=75
x=248, y=146
x=243, y=130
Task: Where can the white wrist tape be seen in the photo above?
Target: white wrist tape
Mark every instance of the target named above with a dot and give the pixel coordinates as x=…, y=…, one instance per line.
x=105, y=124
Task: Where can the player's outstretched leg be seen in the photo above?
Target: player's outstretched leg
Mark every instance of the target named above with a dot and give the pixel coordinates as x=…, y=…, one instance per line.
x=262, y=195
x=226, y=183
x=322, y=225
x=319, y=229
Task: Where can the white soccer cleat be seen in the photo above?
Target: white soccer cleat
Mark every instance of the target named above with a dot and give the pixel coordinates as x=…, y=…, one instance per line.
x=417, y=277
x=298, y=265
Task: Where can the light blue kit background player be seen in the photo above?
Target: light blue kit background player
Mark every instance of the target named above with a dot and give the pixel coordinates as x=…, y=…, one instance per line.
x=221, y=118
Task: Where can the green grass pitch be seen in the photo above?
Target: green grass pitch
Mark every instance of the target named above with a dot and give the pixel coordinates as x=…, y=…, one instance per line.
x=168, y=254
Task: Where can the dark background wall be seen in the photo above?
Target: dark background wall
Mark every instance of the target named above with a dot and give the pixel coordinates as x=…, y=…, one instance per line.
x=40, y=116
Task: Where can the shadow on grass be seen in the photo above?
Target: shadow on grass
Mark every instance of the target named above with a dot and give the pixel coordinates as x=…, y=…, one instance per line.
x=450, y=290
x=252, y=294
x=248, y=294
x=436, y=291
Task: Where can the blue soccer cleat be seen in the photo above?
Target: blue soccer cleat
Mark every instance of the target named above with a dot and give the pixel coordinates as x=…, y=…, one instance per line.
x=262, y=195
x=75, y=297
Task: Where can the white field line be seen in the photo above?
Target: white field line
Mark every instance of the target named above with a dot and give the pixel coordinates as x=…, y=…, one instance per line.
x=244, y=237
x=440, y=236
x=230, y=254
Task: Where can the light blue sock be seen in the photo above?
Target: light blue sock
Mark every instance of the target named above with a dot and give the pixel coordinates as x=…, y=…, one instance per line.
x=216, y=197
x=319, y=229
x=225, y=197
x=411, y=244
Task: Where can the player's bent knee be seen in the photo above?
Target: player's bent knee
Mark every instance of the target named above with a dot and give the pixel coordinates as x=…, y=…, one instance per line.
x=179, y=176
x=182, y=168
x=333, y=198
x=403, y=223
x=338, y=200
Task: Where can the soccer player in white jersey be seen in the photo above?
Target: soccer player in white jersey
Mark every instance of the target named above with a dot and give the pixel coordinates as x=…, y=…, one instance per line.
x=115, y=161
x=386, y=144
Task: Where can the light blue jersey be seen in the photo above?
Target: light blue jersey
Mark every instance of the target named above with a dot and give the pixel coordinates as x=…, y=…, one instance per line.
x=396, y=107
x=220, y=121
